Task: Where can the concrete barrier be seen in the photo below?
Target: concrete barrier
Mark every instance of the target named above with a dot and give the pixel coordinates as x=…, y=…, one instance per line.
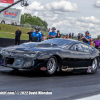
x=4, y=42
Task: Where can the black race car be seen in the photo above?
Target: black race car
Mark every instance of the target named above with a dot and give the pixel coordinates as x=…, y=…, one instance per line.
x=51, y=55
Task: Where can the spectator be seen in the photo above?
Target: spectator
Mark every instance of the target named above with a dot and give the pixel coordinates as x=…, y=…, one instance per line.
x=18, y=35
x=36, y=36
x=64, y=37
x=79, y=37
x=91, y=40
x=67, y=37
x=30, y=35
x=52, y=34
x=96, y=43
x=58, y=34
x=86, y=38
x=72, y=35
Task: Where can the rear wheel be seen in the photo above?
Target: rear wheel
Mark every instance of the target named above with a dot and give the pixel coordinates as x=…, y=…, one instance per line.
x=51, y=65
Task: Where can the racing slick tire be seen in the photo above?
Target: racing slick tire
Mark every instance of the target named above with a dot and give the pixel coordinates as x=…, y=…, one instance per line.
x=51, y=66
x=94, y=66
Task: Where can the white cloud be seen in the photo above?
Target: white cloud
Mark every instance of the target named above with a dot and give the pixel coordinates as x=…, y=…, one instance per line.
x=79, y=24
x=91, y=19
x=35, y=6
x=62, y=6
x=97, y=4
x=56, y=7
x=54, y=12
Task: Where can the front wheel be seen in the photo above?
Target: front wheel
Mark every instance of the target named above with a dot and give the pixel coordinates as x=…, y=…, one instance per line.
x=94, y=66
x=51, y=65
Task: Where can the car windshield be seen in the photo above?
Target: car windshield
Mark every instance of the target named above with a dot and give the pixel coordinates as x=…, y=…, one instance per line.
x=28, y=44
x=60, y=42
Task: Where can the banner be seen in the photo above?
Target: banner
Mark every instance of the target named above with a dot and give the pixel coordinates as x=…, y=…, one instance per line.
x=7, y=1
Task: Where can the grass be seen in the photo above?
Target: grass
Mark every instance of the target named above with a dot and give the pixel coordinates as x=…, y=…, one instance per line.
x=8, y=31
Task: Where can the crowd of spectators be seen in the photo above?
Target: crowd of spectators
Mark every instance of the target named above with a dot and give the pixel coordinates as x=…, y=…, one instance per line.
x=37, y=36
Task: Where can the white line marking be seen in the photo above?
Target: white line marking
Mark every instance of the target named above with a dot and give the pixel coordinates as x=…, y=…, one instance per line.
x=95, y=97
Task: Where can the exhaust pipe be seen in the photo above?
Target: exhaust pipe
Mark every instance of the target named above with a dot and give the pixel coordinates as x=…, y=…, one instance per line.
x=66, y=69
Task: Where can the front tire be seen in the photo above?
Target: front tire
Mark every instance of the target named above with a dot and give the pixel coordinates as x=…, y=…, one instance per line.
x=94, y=66
x=51, y=66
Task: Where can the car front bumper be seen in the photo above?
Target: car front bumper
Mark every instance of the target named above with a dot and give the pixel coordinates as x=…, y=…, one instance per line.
x=16, y=62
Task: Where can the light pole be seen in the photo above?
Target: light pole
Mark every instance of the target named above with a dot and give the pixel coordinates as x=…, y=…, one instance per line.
x=23, y=3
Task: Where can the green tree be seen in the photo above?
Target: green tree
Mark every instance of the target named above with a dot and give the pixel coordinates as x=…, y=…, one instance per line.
x=33, y=20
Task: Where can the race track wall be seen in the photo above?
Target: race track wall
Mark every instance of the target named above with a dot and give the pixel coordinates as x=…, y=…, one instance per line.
x=4, y=42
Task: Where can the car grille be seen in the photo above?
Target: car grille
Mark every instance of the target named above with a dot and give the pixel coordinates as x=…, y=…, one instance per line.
x=9, y=60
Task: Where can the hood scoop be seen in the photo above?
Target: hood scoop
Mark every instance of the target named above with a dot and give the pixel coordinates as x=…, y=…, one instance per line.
x=47, y=45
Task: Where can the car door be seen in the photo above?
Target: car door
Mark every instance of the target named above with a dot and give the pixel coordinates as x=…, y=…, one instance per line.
x=80, y=55
x=65, y=56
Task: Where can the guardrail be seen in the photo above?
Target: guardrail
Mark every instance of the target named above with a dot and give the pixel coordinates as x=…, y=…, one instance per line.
x=4, y=42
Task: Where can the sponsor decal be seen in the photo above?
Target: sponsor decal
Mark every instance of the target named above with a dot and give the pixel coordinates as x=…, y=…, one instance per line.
x=89, y=67
x=88, y=71
x=43, y=68
x=10, y=14
x=7, y=1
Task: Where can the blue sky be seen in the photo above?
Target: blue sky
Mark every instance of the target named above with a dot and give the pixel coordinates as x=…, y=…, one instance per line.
x=67, y=15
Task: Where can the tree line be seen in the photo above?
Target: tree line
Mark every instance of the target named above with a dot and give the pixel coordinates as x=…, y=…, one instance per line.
x=27, y=18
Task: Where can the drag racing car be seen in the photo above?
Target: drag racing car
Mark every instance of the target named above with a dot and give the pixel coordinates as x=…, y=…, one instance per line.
x=51, y=55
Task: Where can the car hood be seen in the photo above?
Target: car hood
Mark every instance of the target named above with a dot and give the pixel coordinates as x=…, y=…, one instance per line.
x=35, y=47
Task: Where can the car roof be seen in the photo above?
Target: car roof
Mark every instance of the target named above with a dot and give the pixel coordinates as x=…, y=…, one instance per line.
x=67, y=40
x=73, y=41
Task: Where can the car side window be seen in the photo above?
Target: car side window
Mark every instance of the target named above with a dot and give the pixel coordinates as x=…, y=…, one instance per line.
x=76, y=47
x=80, y=47
x=85, y=47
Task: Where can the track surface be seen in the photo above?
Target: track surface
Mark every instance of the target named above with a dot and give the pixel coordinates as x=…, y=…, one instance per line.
x=64, y=86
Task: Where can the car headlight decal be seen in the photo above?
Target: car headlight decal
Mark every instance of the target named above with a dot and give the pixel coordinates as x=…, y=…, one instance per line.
x=27, y=64
x=29, y=55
